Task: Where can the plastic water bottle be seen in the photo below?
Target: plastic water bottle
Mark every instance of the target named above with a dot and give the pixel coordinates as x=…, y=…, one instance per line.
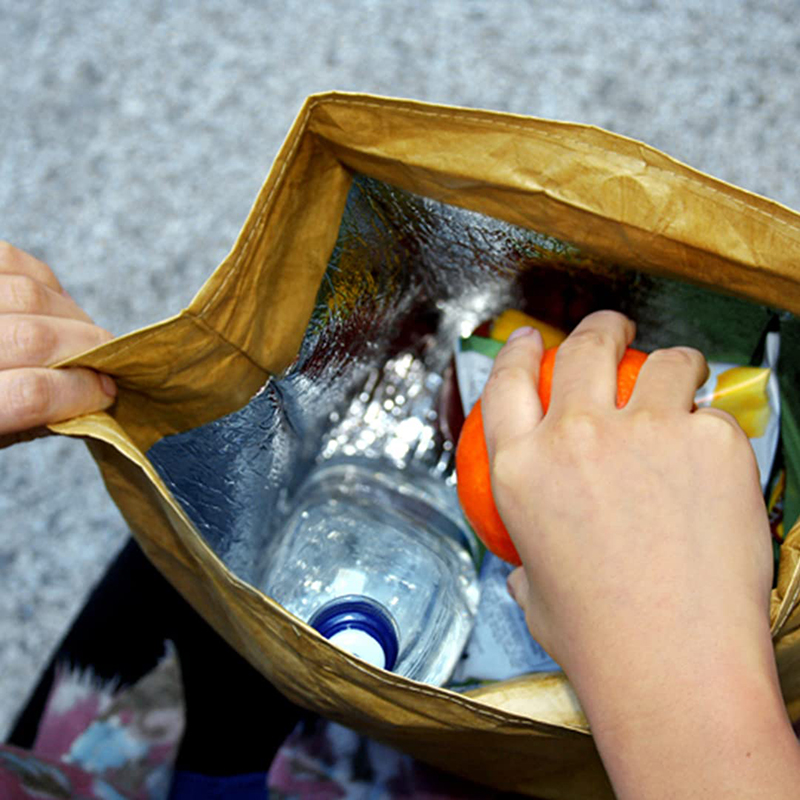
x=378, y=560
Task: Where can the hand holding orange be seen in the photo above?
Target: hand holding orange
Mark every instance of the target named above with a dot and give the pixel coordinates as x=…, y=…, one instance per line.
x=472, y=458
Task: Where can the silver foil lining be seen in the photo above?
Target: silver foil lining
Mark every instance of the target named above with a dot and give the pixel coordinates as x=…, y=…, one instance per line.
x=407, y=277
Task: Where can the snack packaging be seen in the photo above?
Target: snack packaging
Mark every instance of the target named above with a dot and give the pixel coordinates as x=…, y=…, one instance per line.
x=500, y=646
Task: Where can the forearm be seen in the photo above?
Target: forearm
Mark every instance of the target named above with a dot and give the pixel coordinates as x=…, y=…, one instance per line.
x=704, y=723
x=647, y=563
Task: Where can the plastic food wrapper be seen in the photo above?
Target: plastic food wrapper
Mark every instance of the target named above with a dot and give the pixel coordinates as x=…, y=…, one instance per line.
x=500, y=646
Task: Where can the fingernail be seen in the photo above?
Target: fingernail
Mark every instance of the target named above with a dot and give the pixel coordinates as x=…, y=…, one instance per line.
x=109, y=387
x=525, y=330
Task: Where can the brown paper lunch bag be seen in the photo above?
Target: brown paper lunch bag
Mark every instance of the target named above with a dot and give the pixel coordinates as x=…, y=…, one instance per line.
x=614, y=198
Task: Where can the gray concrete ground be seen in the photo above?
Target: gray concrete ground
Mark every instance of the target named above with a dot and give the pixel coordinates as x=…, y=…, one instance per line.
x=134, y=136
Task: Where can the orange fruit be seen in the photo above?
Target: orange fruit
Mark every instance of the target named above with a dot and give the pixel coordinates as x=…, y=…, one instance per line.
x=472, y=457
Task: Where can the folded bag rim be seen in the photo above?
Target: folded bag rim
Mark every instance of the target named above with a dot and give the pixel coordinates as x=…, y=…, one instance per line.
x=329, y=142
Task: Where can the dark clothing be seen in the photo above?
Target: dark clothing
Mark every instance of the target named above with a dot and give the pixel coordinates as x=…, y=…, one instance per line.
x=235, y=719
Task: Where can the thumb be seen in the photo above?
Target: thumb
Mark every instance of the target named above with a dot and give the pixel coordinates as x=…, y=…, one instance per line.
x=520, y=589
x=517, y=583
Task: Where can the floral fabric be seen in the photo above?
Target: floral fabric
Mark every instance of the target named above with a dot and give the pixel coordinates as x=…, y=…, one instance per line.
x=99, y=742
x=326, y=761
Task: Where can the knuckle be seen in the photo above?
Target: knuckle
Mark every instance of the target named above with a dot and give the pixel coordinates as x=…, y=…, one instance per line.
x=645, y=417
x=504, y=470
x=651, y=424
x=24, y=294
x=31, y=340
x=29, y=397
x=589, y=339
x=580, y=432
x=722, y=429
x=8, y=253
x=681, y=357
x=608, y=315
x=503, y=374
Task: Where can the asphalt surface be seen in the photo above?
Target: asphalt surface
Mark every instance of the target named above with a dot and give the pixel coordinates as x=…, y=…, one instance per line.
x=134, y=137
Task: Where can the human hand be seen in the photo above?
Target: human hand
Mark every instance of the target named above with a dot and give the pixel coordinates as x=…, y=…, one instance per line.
x=41, y=325
x=611, y=506
x=647, y=562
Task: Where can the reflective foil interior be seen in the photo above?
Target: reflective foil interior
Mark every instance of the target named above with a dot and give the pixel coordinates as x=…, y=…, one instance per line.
x=407, y=277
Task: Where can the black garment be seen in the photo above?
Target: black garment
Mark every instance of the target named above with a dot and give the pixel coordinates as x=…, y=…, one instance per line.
x=235, y=719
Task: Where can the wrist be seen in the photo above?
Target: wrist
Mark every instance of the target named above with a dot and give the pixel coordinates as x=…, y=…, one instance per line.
x=687, y=720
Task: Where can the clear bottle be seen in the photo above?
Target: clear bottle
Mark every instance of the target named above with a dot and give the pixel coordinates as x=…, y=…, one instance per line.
x=380, y=562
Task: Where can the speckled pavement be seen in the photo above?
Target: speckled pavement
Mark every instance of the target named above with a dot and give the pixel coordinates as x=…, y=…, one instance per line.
x=134, y=137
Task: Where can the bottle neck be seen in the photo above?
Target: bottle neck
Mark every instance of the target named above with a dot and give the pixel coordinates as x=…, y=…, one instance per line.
x=361, y=626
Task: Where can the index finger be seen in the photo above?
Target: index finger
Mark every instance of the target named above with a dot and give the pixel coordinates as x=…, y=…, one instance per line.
x=14, y=261
x=510, y=403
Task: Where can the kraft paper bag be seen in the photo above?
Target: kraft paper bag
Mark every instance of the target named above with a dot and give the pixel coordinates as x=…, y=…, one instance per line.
x=384, y=227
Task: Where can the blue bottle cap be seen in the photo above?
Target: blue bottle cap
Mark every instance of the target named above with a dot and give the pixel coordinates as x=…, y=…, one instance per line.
x=361, y=626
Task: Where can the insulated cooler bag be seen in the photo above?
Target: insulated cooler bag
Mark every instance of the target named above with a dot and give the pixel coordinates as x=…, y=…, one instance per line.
x=384, y=230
